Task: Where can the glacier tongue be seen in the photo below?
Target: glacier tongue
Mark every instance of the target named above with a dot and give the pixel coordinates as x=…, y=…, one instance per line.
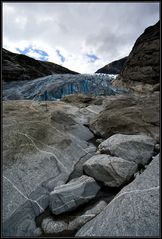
x=59, y=85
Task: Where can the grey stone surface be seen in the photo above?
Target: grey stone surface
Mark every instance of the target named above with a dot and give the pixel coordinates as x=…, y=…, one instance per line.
x=69, y=196
x=134, y=212
x=22, y=222
x=99, y=141
x=78, y=169
x=137, y=148
x=38, y=232
x=39, y=153
x=112, y=171
x=53, y=227
x=71, y=223
x=86, y=216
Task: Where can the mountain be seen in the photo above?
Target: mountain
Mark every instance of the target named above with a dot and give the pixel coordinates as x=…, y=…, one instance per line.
x=114, y=67
x=83, y=166
x=21, y=67
x=141, y=73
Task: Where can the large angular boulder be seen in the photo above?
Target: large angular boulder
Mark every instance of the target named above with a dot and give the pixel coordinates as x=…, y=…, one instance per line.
x=113, y=171
x=69, y=196
x=137, y=148
x=134, y=212
x=141, y=72
x=129, y=115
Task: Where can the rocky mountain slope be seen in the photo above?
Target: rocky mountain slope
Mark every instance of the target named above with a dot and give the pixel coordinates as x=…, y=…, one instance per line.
x=85, y=166
x=114, y=67
x=21, y=67
x=141, y=72
x=48, y=155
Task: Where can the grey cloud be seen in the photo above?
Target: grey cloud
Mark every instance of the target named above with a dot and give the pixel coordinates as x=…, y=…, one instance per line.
x=122, y=27
x=106, y=28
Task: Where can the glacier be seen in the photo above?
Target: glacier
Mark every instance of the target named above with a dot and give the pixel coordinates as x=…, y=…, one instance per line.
x=60, y=85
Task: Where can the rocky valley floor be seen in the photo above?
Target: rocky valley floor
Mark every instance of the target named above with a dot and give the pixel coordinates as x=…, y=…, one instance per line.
x=82, y=166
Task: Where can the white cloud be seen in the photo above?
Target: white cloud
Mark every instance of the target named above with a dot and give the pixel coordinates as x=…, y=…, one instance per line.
x=107, y=30
x=33, y=54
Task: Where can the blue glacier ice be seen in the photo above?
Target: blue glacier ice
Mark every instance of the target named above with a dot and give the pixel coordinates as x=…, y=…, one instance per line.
x=59, y=85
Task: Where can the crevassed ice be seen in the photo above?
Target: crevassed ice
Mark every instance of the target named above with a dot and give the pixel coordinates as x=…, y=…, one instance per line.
x=60, y=85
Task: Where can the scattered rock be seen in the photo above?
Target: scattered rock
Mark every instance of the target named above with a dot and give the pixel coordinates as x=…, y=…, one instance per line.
x=134, y=212
x=69, y=196
x=112, y=171
x=137, y=148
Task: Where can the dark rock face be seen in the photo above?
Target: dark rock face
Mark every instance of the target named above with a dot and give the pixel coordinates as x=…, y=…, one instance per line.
x=143, y=64
x=114, y=67
x=20, y=67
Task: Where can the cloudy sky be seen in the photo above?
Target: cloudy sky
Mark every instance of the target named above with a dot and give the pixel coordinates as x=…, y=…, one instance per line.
x=80, y=36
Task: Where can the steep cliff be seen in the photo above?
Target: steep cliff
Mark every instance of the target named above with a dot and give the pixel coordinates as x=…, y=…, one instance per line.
x=20, y=67
x=141, y=72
